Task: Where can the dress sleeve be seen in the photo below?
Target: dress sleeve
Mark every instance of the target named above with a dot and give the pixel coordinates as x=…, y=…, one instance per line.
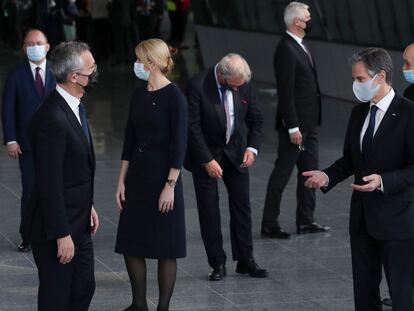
x=129, y=137
x=178, y=129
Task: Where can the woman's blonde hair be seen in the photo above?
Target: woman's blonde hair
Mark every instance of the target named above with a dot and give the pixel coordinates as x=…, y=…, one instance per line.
x=155, y=51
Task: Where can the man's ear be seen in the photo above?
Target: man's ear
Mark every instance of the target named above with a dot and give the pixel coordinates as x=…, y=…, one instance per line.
x=382, y=75
x=72, y=77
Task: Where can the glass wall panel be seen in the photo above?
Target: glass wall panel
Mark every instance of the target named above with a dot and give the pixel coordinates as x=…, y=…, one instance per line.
x=385, y=23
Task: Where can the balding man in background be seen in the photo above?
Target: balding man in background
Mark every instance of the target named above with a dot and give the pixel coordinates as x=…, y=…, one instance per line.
x=225, y=127
x=26, y=86
x=408, y=71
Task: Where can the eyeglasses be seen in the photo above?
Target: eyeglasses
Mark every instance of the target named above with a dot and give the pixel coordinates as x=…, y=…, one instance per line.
x=301, y=147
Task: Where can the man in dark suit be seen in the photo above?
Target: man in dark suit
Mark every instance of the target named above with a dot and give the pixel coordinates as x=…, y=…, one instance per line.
x=379, y=152
x=60, y=217
x=26, y=86
x=408, y=71
x=298, y=115
x=223, y=111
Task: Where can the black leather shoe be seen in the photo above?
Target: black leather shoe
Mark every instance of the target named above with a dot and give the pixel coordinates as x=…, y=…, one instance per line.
x=312, y=228
x=24, y=247
x=274, y=233
x=250, y=267
x=217, y=273
x=134, y=308
x=387, y=302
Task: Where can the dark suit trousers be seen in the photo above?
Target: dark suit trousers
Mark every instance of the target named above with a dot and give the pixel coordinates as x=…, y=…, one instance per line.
x=289, y=155
x=368, y=256
x=27, y=175
x=206, y=189
x=65, y=287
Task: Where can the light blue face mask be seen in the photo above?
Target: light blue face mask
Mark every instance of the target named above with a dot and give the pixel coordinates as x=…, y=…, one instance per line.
x=36, y=53
x=140, y=71
x=365, y=91
x=409, y=76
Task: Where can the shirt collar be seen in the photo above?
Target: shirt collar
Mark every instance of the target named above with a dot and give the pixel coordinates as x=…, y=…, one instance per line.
x=72, y=101
x=295, y=37
x=42, y=66
x=385, y=102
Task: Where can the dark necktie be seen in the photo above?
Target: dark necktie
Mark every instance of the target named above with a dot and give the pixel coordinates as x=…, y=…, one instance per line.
x=226, y=106
x=307, y=52
x=39, y=83
x=82, y=117
x=369, y=133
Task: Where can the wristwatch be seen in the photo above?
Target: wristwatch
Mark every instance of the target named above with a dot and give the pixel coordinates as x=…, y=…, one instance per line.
x=171, y=182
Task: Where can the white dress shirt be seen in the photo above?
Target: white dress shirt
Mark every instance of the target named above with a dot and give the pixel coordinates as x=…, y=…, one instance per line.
x=382, y=105
x=72, y=101
x=230, y=102
x=42, y=70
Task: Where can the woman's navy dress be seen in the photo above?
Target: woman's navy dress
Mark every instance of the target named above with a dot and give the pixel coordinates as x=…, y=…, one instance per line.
x=155, y=141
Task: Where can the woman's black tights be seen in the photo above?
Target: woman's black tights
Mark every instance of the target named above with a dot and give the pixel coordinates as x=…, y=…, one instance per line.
x=137, y=271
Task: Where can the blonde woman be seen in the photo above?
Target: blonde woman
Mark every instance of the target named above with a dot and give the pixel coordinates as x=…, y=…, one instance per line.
x=149, y=192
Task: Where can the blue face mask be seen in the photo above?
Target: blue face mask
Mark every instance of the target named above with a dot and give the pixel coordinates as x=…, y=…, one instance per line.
x=36, y=53
x=140, y=71
x=409, y=75
x=365, y=91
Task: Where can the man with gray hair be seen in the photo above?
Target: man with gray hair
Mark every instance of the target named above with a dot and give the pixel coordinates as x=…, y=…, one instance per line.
x=225, y=126
x=379, y=152
x=298, y=115
x=60, y=218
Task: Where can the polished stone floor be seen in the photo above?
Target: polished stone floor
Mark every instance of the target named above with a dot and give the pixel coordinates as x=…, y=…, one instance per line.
x=307, y=272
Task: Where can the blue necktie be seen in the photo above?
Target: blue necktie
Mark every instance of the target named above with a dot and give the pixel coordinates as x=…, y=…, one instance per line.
x=369, y=133
x=82, y=117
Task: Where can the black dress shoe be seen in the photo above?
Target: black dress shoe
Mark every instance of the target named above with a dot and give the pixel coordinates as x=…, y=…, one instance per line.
x=312, y=228
x=217, y=273
x=134, y=308
x=274, y=233
x=24, y=247
x=250, y=267
x=387, y=302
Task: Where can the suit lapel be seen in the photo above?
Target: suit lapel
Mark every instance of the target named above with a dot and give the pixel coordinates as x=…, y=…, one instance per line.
x=29, y=77
x=214, y=97
x=302, y=52
x=359, y=124
x=236, y=108
x=49, y=79
x=73, y=121
x=387, y=122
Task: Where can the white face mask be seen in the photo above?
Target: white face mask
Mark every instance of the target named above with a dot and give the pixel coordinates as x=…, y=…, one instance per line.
x=365, y=91
x=140, y=71
x=36, y=53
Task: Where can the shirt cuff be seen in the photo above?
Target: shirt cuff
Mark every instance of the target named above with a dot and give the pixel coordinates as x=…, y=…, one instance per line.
x=381, y=188
x=327, y=183
x=293, y=130
x=254, y=150
x=11, y=142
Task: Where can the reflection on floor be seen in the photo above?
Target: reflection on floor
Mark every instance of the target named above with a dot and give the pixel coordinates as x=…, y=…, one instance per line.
x=309, y=272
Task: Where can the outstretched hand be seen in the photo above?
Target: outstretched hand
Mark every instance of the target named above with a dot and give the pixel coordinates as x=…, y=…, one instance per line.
x=316, y=179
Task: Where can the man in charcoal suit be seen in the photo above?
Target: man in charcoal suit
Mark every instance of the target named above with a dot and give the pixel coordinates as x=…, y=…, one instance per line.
x=60, y=218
